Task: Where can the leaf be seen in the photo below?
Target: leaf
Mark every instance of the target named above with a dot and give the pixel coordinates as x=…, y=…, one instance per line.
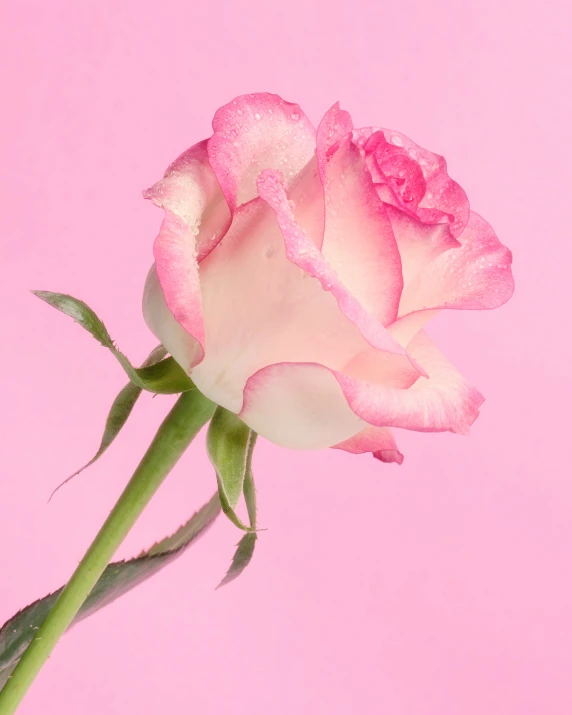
x=241, y=558
x=118, y=414
x=229, y=443
x=166, y=377
x=117, y=579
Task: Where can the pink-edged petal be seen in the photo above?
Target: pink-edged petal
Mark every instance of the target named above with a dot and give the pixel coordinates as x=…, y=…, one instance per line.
x=178, y=273
x=442, y=194
x=475, y=275
x=335, y=125
x=303, y=253
x=442, y=402
x=393, y=160
x=392, y=168
x=418, y=244
x=191, y=192
x=359, y=242
x=256, y=132
x=186, y=350
x=299, y=406
x=407, y=177
x=377, y=440
x=196, y=217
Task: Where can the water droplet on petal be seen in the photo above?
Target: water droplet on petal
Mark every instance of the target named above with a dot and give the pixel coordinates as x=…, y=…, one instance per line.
x=257, y=116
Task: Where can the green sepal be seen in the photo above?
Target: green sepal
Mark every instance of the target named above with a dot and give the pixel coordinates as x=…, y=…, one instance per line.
x=166, y=377
x=229, y=445
x=249, y=489
x=245, y=548
x=117, y=579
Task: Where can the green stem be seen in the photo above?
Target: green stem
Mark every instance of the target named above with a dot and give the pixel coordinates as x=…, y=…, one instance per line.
x=189, y=414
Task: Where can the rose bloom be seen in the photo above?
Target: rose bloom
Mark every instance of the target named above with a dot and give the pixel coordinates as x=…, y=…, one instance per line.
x=295, y=270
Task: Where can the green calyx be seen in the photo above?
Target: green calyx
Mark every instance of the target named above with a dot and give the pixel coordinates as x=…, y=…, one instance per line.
x=230, y=446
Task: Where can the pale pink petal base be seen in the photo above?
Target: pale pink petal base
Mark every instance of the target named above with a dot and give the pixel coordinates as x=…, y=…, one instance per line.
x=299, y=406
x=178, y=273
x=186, y=350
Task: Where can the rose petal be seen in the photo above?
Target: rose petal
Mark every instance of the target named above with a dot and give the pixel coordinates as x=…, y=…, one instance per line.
x=196, y=217
x=299, y=406
x=186, y=350
x=443, y=200
x=475, y=275
x=359, y=243
x=191, y=191
x=178, y=273
x=406, y=177
x=256, y=132
x=443, y=402
x=442, y=195
x=336, y=124
x=418, y=244
x=398, y=177
x=378, y=440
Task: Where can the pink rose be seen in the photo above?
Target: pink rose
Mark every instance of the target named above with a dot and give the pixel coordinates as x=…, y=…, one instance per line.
x=295, y=270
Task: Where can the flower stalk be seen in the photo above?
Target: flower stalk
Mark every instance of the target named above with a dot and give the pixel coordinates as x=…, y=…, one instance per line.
x=189, y=414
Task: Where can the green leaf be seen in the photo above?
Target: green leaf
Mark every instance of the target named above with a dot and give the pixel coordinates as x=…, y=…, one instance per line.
x=166, y=377
x=117, y=579
x=229, y=444
x=118, y=414
x=241, y=558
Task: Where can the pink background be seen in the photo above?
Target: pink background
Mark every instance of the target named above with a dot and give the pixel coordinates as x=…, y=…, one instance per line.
x=439, y=588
